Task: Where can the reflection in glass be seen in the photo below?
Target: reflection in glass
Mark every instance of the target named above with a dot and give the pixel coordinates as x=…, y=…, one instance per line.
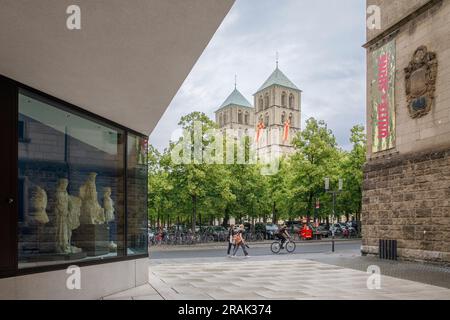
x=71, y=185
x=137, y=194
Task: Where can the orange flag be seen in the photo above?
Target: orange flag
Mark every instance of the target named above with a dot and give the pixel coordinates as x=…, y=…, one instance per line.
x=287, y=126
x=259, y=129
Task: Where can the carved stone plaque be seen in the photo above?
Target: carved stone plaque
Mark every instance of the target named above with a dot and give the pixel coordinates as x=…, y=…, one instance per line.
x=420, y=80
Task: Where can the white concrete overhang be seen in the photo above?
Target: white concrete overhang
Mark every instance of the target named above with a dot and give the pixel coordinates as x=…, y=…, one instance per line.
x=125, y=64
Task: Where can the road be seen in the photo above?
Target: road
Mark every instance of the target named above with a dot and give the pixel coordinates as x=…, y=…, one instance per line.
x=256, y=250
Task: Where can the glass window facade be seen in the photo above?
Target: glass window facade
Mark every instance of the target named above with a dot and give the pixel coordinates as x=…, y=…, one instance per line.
x=73, y=188
x=137, y=195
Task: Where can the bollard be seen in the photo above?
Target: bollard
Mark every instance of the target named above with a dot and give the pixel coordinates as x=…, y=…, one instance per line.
x=332, y=242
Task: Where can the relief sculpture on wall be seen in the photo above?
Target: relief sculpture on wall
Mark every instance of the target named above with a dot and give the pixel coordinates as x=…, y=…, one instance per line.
x=420, y=80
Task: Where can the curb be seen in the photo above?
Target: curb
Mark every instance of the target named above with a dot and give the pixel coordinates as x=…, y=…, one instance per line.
x=221, y=245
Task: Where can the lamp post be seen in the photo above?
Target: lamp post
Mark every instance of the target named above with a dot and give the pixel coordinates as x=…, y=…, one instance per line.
x=334, y=193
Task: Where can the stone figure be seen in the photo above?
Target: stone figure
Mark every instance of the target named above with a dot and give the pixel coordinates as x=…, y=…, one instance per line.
x=38, y=206
x=61, y=210
x=91, y=212
x=108, y=205
x=74, y=219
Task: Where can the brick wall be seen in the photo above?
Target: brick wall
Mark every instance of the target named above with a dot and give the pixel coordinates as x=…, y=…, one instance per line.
x=407, y=198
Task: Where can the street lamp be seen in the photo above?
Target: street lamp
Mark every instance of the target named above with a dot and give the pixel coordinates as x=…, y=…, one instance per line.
x=334, y=194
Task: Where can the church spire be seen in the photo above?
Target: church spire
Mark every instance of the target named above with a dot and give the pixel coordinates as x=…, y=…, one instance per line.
x=277, y=59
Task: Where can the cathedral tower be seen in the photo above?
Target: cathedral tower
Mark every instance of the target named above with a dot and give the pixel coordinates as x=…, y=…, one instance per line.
x=236, y=112
x=278, y=108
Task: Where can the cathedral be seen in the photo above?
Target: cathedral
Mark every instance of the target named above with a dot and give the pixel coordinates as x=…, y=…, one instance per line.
x=273, y=119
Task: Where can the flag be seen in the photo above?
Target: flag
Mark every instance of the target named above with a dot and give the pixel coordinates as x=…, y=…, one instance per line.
x=260, y=127
x=287, y=126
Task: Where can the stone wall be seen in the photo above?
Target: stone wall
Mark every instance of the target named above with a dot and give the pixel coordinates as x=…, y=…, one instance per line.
x=407, y=189
x=392, y=12
x=429, y=29
x=407, y=198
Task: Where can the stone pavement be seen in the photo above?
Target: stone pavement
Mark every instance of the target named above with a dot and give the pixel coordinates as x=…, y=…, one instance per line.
x=247, y=279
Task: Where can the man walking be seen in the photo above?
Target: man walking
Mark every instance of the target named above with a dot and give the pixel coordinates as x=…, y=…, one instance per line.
x=230, y=238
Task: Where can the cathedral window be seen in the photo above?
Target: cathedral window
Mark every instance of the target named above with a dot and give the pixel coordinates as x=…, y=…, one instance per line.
x=291, y=101
x=291, y=118
x=283, y=117
x=266, y=120
x=260, y=104
x=220, y=119
x=247, y=118
x=266, y=101
x=283, y=99
x=239, y=117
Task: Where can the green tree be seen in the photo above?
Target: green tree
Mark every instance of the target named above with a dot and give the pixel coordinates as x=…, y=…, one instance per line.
x=316, y=157
x=352, y=172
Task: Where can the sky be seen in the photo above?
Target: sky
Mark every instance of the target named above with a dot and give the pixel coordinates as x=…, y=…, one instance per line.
x=319, y=47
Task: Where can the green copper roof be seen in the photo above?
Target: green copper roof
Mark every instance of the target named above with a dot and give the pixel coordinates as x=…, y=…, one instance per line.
x=236, y=98
x=279, y=78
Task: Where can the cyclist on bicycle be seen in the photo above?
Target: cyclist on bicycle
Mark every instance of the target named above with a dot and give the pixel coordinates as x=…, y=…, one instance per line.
x=283, y=234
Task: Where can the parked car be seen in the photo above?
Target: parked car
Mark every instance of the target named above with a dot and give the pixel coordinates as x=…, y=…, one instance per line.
x=294, y=226
x=271, y=229
x=219, y=233
x=337, y=229
x=322, y=231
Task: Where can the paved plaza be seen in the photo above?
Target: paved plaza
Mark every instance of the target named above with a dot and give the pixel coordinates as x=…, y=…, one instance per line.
x=264, y=278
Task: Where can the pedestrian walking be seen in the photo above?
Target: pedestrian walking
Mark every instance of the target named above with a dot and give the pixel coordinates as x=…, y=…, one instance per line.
x=230, y=239
x=239, y=241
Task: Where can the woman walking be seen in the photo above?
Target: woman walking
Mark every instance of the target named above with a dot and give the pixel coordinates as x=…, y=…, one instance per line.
x=230, y=238
x=239, y=241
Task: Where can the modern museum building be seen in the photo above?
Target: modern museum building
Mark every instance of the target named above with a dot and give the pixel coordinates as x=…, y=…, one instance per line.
x=77, y=106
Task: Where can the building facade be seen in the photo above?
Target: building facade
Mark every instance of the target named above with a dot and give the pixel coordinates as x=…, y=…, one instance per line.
x=406, y=193
x=277, y=109
x=77, y=107
x=236, y=113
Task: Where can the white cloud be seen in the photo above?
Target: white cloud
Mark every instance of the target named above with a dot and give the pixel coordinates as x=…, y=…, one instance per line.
x=319, y=43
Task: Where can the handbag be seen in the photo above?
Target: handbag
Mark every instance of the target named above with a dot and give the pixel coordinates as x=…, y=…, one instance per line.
x=237, y=239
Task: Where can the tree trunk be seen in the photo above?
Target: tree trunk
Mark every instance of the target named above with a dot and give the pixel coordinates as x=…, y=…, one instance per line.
x=274, y=213
x=226, y=218
x=310, y=204
x=194, y=212
x=158, y=221
x=253, y=224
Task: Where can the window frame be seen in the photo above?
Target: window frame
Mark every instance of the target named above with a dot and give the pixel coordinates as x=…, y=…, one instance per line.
x=291, y=101
x=13, y=270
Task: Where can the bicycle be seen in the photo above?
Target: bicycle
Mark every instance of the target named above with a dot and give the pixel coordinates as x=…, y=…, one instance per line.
x=289, y=245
